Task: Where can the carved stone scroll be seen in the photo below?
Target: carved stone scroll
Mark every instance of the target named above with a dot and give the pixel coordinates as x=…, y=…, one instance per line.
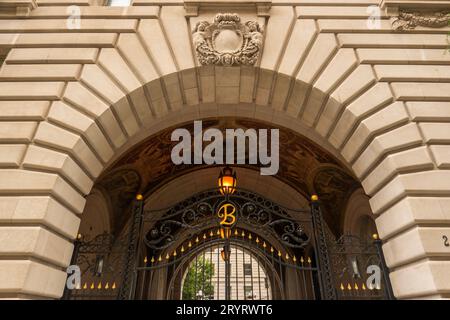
x=407, y=20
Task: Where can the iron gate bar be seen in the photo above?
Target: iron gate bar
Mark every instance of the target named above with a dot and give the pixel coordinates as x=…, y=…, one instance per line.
x=127, y=288
x=237, y=285
x=326, y=280
x=227, y=255
x=384, y=268
x=243, y=261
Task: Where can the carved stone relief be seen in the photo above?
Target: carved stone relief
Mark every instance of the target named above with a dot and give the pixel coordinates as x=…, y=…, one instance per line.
x=227, y=41
x=407, y=20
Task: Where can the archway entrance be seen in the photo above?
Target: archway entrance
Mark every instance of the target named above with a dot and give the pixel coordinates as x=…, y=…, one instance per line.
x=271, y=252
x=306, y=247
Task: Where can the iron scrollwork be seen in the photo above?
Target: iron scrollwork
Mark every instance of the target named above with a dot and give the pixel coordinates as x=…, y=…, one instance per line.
x=101, y=262
x=292, y=234
x=188, y=217
x=253, y=210
x=101, y=255
x=351, y=259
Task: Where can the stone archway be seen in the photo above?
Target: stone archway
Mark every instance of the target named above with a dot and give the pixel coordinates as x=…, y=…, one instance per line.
x=64, y=123
x=305, y=169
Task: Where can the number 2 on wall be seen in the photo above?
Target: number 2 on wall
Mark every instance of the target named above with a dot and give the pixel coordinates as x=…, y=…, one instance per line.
x=446, y=241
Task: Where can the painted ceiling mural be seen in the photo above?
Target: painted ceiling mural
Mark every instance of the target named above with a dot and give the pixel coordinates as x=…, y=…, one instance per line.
x=303, y=165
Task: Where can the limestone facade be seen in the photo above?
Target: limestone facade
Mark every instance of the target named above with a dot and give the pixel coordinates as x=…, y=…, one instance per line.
x=80, y=85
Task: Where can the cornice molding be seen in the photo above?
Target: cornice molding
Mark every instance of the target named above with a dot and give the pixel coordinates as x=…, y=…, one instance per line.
x=261, y=7
x=430, y=5
x=17, y=7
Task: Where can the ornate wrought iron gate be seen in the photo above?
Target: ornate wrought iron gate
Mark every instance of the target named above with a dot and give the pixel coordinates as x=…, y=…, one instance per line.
x=178, y=253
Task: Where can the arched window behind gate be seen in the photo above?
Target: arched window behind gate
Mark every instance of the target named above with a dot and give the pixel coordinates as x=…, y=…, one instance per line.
x=204, y=278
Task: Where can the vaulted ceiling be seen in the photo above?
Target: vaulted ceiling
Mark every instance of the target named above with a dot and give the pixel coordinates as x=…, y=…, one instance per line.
x=303, y=165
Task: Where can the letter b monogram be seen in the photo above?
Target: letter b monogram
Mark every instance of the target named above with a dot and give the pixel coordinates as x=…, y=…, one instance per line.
x=227, y=214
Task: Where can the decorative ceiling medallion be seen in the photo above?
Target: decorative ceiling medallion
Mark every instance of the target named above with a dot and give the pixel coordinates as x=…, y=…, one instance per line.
x=407, y=20
x=227, y=41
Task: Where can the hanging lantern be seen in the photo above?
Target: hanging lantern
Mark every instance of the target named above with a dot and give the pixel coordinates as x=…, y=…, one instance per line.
x=99, y=266
x=227, y=181
x=355, y=268
x=225, y=253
